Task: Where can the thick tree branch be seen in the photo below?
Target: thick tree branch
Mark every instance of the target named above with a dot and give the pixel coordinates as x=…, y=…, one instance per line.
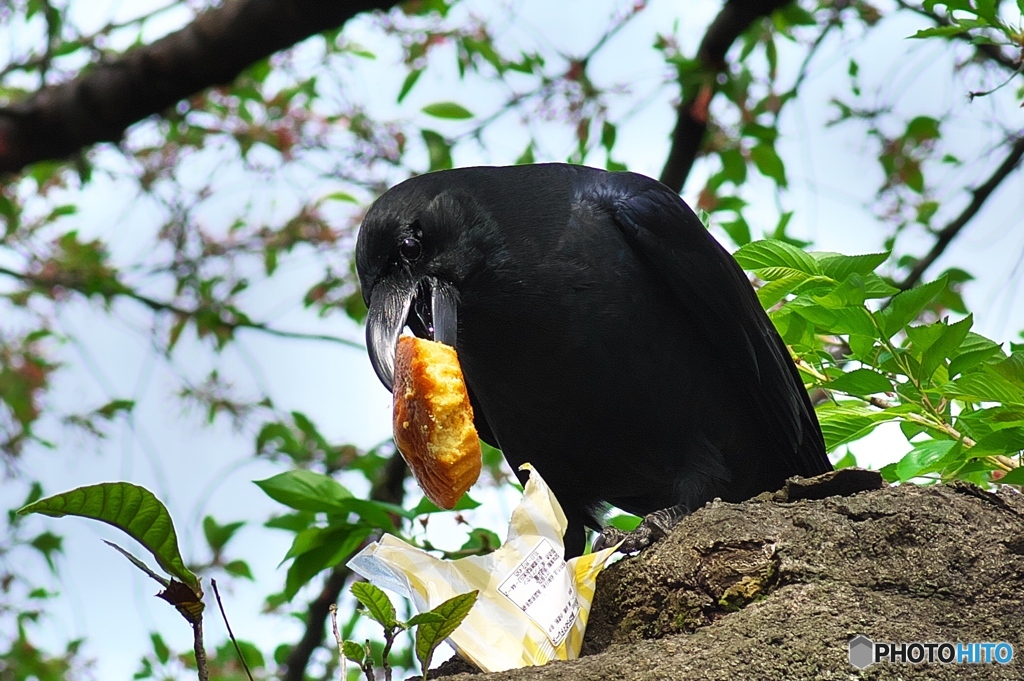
x=389, y=488
x=950, y=231
x=100, y=104
x=692, y=122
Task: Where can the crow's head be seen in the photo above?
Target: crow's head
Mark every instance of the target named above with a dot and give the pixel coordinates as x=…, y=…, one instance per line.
x=418, y=244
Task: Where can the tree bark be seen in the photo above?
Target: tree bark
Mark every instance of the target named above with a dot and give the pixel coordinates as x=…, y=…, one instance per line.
x=99, y=105
x=775, y=588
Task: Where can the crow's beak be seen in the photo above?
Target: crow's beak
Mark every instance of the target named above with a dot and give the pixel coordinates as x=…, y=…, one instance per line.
x=429, y=307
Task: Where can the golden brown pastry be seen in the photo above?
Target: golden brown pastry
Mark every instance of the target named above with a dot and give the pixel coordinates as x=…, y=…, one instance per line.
x=433, y=420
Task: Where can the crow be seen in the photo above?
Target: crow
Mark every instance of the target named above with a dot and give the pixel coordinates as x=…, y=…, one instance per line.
x=604, y=335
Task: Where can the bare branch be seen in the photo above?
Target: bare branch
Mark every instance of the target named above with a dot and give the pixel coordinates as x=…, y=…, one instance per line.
x=950, y=231
x=99, y=105
x=692, y=122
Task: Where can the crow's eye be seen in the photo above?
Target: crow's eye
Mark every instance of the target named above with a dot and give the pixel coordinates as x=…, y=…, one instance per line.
x=410, y=249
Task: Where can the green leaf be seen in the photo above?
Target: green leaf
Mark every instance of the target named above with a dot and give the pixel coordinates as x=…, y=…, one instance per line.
x=940, y=31
x=239, y=568
x=377, y=604
x=842, y=423
x=1014, y=477
x=408, y=83
x=429, y=635
x=447, y=110
x=768, y=162
x=975, y=350
x=160, y=649
x=438, y=149
x=926, y=457
x=905, y=307
x=923, y=128
x=839, y=266
x=945, y=345
x=425, y=617
x=132, y=509
x=861, y=382
x=774, y=253
x=353, y=651
x=984, y=386
x=311, y=563
x=624, y=522
x=425, y=506
x=219, y=535
x=305, y=491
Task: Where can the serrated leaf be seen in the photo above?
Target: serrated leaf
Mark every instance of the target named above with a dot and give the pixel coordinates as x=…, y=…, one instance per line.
x=774, y=253
x=377, y=604
x=839, y=266
x=305, y=490
x=861, y=382
x=844, y=423
x=926, y=457
x=905, y=307
x=449, y=110
x=429, y=635
x=984, y=386
x=945, y=345
x=975, y=349
x=132, y=509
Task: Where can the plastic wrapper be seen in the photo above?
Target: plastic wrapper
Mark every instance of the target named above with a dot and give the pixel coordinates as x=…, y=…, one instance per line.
x=533, y=605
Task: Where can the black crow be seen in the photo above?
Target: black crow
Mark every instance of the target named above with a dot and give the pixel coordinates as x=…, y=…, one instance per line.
x=605, y=337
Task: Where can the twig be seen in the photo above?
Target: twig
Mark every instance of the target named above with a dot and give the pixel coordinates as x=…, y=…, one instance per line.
x=200, y=651
x=341, y=643
x=163, y=306
x=231, y=635
x=950, y=231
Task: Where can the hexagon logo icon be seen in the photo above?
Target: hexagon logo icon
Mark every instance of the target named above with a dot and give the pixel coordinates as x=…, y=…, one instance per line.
x=861, y=652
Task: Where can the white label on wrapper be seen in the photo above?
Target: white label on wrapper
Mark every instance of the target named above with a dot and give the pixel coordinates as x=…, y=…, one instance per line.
x=542, y=587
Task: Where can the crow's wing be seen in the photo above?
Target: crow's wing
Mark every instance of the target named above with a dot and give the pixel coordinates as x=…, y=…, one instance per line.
x=713, y=291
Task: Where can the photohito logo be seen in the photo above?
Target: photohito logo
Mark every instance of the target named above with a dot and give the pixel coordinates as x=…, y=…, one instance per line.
x=864, y=652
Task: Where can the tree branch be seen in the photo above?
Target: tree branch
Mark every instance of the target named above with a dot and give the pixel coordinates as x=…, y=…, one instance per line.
x=390, y=488
x=99, y=105
x=47, y=283
x=991, y=52
x=950, y=231
x=692, y=122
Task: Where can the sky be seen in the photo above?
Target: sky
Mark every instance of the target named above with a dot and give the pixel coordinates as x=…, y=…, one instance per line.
x=198, y=470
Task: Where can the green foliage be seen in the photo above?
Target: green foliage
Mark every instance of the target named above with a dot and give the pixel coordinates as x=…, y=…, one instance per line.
x=879, y=363
x=432, y=627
